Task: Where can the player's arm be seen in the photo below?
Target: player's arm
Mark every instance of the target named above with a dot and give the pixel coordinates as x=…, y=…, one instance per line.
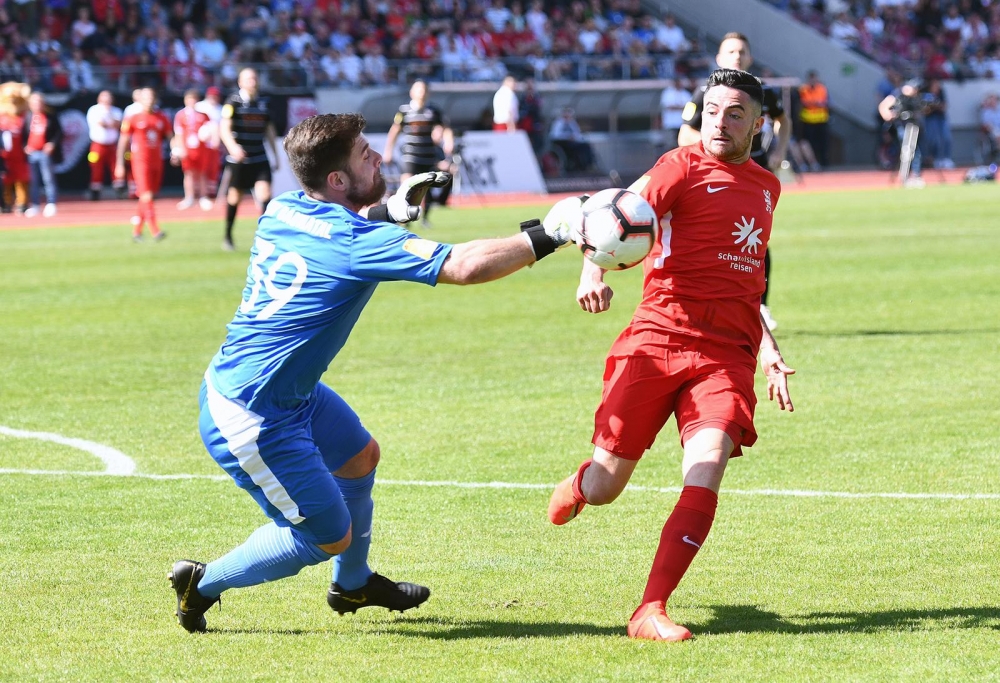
x=272, y=140
x=486, y=260
x=886, y=108
x=447, y=141
x=593, y=294
x=775, y=370
x=782, y=134
x=688, y=136
x=123, y=143
x=390, y=140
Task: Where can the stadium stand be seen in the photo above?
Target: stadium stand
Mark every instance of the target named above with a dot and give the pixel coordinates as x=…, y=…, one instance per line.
x=64, y=46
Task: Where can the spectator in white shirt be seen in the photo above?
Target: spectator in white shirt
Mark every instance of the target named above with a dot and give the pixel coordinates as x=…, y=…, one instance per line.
x=83, y=27
x=843, y=32
x=566, y=134
x=673, y=99
x=103, y=123
x=589, y=37
x=298, y=39
x=498, y=15
x=209, y=51
x=873, y=23
x=506, y=106
x=81, y=73
x=671, y=36
x=376, y=67
x=351, y=66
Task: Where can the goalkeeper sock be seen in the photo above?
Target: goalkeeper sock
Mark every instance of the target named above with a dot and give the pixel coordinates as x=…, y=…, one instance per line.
x=350, y=569
x=271, y=552
x=683, y=534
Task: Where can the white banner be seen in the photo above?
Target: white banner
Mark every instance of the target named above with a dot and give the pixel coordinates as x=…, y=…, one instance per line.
x=492, y=163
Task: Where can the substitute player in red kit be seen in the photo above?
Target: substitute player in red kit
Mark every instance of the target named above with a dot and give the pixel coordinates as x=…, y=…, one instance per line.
x=146, y=130
x=692, y=345
x=190, y=150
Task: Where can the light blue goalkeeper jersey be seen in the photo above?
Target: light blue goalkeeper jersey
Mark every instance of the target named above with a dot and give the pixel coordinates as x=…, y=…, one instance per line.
x=313, y=267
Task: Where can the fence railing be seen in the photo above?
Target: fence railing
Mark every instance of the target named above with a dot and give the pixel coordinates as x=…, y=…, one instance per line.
x=291, y=76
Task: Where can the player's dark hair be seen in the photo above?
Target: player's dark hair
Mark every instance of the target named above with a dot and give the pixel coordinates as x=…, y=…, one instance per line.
x=735, y=35
x=321, y=145
x=192, y=93
x=739, y=80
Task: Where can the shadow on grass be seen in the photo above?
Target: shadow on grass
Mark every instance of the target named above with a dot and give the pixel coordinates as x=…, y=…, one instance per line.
x=752, y=619
x=833, y=334
x=725, y=619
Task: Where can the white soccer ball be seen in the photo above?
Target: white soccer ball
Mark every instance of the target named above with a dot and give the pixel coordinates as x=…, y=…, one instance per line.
x=619, y=229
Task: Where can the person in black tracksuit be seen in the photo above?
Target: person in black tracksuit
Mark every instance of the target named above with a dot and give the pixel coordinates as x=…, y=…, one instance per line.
x=428, y=141
x=245, y=126
x=734, y=53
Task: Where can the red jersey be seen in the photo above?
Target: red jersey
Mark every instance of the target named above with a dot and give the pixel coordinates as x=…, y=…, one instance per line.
x=36, y=133
x=148, y=131
x=187, y=122
x=705, y=276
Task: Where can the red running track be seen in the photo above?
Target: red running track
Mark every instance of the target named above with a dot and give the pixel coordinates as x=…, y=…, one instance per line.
x=77, y=212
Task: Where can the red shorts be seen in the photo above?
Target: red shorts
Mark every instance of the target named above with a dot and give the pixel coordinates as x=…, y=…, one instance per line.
x=148, y=175
x=195, y=160
x=704, y=384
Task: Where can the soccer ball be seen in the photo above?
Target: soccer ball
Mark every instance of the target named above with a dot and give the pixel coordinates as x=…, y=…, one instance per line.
x=619, y=229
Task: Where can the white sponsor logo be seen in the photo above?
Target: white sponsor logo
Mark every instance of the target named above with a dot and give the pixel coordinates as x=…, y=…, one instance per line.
x=767, y=201
x=745, y=231
x=690, y=542
x=713, y=190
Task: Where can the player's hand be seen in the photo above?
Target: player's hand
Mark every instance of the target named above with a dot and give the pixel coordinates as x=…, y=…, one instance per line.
x=119, y=172
x=593, y=294
x=777, y=374
x=238, y=154
x=564, y=221
x=404, y=206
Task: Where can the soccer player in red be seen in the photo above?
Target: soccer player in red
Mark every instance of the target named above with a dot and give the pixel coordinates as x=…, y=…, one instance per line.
x=692, y=345
x=146, y=130
x=190, y=149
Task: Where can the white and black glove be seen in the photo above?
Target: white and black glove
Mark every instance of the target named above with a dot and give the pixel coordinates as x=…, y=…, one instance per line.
x=404, y=206
x=562, y=225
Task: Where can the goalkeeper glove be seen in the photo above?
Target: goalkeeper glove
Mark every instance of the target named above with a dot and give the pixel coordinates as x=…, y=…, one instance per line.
x=562, y=225
x=404, y=206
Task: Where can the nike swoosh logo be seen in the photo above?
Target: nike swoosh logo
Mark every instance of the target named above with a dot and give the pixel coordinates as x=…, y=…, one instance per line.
x=713, y=190
x=360, y=601
x=690, y=542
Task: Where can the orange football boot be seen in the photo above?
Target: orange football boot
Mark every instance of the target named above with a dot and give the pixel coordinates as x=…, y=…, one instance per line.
x=564, y=506
x=650, y=622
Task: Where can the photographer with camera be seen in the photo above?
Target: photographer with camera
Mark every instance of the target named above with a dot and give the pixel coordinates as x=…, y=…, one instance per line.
x=906, y=108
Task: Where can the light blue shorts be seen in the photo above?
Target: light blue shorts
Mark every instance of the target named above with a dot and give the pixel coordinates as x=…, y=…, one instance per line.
x=285, y=461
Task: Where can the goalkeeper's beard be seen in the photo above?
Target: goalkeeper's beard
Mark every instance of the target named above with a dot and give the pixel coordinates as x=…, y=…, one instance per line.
x=373, y=195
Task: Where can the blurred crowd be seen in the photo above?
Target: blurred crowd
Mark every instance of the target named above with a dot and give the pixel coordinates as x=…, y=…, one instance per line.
x=933, y=39
x=70, y=46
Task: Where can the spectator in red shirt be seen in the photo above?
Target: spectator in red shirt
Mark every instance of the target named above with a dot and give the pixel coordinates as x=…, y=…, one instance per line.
x=42, y=137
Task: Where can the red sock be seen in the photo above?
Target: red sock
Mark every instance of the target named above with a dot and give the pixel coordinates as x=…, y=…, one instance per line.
x=154, y=227
x=140, y=213
x=683, y=534
x=578, y=482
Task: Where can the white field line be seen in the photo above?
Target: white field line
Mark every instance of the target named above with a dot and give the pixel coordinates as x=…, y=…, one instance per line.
x=115, y=461
x=117, y=464
x=775, y=493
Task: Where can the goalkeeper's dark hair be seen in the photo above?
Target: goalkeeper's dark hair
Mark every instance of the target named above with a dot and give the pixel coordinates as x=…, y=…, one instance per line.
x=739, y=80
x=321, y=145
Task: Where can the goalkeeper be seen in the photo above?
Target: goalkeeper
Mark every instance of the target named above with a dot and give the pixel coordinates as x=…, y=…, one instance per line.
x=284, y=437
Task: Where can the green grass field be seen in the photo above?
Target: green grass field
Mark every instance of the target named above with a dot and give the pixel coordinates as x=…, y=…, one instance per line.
x=889, y=308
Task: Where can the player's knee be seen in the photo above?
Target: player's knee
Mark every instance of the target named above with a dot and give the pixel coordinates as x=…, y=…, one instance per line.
x=362, y=463
x=338, y=547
